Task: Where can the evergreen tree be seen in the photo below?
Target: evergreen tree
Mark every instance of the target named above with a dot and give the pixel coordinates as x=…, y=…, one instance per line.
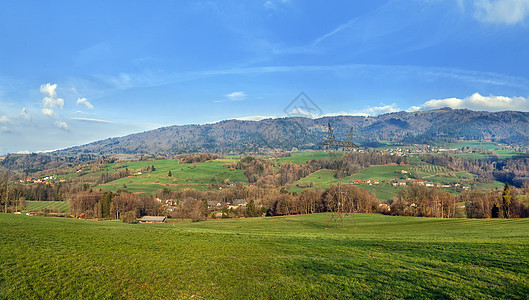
x=507, y=198
x=250, y=209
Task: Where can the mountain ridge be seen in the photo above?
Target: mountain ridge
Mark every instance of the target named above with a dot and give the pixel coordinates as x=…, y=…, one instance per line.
x=244, y=136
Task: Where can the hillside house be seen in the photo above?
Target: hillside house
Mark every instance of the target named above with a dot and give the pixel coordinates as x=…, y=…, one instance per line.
x=466, y=187
x=428, y=183
x=401, y=182
x=152, y=219
x=214, y=204
x=376, y=182
x=357, y=181
x=418, y=181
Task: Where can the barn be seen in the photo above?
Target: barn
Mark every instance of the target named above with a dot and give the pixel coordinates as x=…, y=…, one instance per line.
x=152, y=219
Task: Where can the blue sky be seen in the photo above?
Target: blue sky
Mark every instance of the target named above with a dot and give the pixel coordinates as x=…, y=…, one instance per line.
x=73, y=72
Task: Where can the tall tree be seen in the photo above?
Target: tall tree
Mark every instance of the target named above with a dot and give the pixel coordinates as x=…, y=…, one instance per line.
x=507, y=198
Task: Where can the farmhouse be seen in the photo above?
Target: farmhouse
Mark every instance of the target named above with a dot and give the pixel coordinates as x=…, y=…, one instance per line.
x=214, y=204
x=239, y=202
x=152, y=219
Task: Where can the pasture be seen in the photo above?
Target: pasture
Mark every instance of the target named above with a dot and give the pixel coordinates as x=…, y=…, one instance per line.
x=264, y=258
x=200, y=176
x=54, y=206
x=300, y=158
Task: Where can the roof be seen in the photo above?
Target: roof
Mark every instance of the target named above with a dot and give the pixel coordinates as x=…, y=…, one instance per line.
x=152, y=219
x=239, y=202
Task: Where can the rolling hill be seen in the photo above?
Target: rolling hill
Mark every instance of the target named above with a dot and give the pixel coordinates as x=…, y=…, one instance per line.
x=236, y=136
x=282, y=134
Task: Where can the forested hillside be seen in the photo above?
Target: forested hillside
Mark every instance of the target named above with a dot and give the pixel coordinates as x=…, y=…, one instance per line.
x=235, y=136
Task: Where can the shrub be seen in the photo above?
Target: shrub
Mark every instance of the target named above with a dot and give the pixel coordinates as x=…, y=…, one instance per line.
x=128, y=217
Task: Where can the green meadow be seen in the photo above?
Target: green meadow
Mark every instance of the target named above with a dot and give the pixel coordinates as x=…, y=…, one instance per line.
x=55, y=206
x=200, y=176
x=264, y=258
x=300, y=158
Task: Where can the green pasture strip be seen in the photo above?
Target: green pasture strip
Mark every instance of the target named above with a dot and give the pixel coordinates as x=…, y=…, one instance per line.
x=265, y=258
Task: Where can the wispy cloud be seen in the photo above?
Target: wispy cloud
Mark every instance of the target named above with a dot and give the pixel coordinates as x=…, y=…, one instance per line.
x=369, y=111
x=4, y=120
x=61, y=125
x=83, y=112
x=256, y=118
x=93, y=120
x=508, y=12
x=233, y=97
x=25, y=114
x=236, y=96
x=85, y=102
x=48, y=112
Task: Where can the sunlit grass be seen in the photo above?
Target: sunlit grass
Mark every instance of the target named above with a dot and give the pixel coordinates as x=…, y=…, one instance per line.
x=279, y=258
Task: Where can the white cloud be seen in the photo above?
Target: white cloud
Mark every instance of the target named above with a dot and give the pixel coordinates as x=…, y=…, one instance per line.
x=4, y=120
x=48, y=112
x=24, y=152
x=25, y=114
x=84, y=101
x=93, y=120
x=370, y=111
x=61, y=125
x=384, y=109
x=508, y=12
x=50, y=100
x=479, y=102
x=256, y=118
x=5, y=129
x=236, y=96
x=49, y=90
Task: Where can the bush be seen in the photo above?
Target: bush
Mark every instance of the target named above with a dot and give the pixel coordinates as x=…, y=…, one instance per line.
x=128, y=217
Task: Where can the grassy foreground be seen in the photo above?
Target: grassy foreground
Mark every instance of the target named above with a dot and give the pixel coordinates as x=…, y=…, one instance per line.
x=279, y=258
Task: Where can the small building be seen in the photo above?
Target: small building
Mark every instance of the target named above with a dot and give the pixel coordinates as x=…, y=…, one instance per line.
x=214, y=204
x=357, y=181
x=428, y=183
x=401, y=182
x=152, y=219
x=239, y=202
x=376, y=182
x=218, y=215
x=466, y=187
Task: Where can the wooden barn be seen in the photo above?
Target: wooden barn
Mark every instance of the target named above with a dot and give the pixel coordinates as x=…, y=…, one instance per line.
x=152, y=219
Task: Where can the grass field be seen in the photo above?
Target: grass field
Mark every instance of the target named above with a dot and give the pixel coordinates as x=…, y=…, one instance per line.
x=199, y=176
x=303, y=157
x=474, y=144
x=60, y=206
x=264, y=258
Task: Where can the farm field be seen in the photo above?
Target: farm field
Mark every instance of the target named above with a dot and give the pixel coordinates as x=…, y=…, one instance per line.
x=199, y=176
x=385, y=191
x=300, y=158
x=264, y=258
x=60, y=206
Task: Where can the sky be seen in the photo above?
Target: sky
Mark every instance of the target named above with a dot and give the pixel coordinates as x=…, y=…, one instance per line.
x=74, y=72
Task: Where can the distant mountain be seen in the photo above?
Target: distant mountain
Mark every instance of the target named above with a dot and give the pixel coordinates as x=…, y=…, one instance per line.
x=235, y=136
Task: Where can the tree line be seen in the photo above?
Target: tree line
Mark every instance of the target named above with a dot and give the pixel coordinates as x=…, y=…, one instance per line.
x=420, y=201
